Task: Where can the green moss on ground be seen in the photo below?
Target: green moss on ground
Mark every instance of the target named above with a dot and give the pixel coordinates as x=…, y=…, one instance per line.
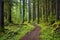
x=49, y=32
x=15, y=32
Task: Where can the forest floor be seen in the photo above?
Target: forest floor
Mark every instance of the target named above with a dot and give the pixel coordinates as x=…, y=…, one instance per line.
x=32, y=35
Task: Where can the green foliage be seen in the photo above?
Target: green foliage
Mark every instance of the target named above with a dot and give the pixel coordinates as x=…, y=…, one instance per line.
x=16, y=32
x=48, y=32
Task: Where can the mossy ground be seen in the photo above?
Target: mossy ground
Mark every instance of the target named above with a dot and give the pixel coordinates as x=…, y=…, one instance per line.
x=49, y=32
x=15, y=32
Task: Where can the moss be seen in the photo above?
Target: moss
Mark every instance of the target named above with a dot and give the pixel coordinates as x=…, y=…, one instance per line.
x=16, y=32
x=48, y=31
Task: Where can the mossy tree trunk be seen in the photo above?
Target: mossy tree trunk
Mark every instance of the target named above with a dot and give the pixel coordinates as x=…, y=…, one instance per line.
x=23, y=11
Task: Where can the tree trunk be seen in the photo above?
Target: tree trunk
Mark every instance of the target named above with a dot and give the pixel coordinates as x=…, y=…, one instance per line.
x=34, y=10
x=38, y=10
x=23, y=11
x=9, y=15
x=29, y=15
x=1, y=15
x=46, y=10
x=57, y=9
x=48, y=7
x=10, y=21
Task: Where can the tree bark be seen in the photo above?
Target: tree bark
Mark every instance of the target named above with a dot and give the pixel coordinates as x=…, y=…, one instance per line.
x=23, y=11
x=29, y=15
x=10, y=21
x=46, y=12
x=1, y=15
x=57, y=9
x=38, y=11
x=34, y=10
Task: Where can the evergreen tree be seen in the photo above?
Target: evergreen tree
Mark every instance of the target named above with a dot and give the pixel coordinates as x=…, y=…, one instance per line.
x=1, y=15
x=38, y=11
x=29, y=8
x=34, y=10
x=23, y=11
x=57, y=9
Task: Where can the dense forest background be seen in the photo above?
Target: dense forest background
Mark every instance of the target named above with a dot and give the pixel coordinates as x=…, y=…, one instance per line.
x=17, y=16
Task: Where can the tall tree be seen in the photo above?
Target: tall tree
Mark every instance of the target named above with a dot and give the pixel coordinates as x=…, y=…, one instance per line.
x=23, y=11
x=10, y=20
x=53, y=6
x=48, y=7
x=57, y=9
x=9, y=4
x=29, y=8
x=34, y=10
x=1, y=15
x=38, y=11
x=46, y=10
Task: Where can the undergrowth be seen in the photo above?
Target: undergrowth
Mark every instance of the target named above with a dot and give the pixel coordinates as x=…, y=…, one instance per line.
x=49, y=32
x=15, y=32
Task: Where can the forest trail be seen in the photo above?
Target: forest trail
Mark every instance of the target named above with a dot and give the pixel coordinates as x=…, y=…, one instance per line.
x=32, y=35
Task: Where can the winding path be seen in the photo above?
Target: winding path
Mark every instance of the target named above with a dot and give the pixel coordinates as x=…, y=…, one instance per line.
x=33, y=35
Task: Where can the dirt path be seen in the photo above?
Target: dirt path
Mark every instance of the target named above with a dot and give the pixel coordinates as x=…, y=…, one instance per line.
x=33, y=35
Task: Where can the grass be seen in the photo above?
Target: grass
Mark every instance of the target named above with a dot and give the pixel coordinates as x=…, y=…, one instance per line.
x=16, y=32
